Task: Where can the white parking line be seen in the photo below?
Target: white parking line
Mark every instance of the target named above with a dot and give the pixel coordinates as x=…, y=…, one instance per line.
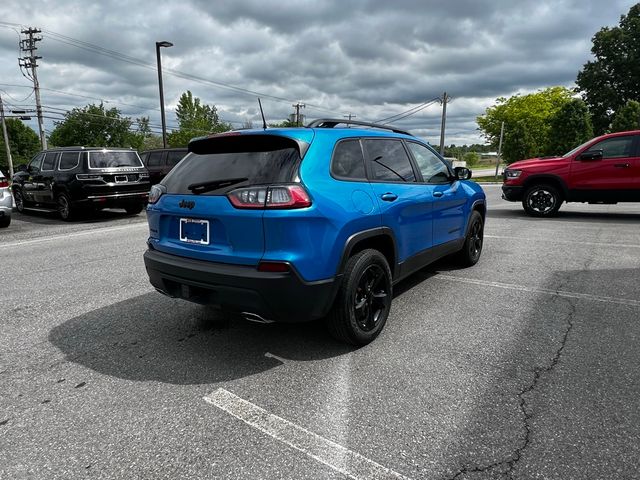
x=74, y=234
x=545, y=291
x=568, y=242
x=335, y=456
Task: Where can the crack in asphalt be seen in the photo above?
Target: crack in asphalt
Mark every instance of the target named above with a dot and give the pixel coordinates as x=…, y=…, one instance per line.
x=538, y=372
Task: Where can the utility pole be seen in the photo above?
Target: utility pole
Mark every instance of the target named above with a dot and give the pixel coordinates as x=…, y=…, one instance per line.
x=6, y=139
x=350, y=116
x=297, y=106
x=30, y=63
x=445, y=99
x=500, y=149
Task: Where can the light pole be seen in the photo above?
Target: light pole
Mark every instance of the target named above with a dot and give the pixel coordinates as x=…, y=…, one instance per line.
x=164, y=126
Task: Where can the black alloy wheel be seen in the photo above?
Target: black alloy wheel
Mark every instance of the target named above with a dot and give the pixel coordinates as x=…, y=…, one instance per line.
x=542, y=201
x=371, y=299
x=64, y=207
x=473, y=241
x=19, y=199
x=363, y=302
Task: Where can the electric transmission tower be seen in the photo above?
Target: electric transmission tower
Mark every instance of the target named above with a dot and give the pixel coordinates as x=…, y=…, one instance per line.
x=28, y=67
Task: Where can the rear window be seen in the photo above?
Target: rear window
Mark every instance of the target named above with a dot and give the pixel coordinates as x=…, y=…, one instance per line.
x=113, y=159
x=260, y=159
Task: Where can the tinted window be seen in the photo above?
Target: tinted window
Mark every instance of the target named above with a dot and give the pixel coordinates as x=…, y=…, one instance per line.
x=174, y=157
x=113, y=159
x=617, y=147
x=68, y=160
x=154, y=159
x=432, y=168
x=260, y=161
x=389, y=161
x=49, y=161
x=36, y=162
x=348, y=161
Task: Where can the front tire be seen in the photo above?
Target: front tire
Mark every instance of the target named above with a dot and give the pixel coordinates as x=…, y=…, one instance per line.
x=470, y=253
x=542, y=200
x=362, y=305
x=5, y=222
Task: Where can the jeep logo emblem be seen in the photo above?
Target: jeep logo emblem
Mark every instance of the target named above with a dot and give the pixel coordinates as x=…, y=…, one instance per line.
x=187, y=204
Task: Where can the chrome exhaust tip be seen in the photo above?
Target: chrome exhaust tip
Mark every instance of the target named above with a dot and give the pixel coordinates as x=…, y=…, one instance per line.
x=254, y=317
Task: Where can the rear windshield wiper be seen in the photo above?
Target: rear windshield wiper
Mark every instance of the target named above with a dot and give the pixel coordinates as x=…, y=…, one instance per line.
x=203, y=187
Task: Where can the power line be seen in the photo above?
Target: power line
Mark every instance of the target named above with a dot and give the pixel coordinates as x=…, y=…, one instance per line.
x=407, y=113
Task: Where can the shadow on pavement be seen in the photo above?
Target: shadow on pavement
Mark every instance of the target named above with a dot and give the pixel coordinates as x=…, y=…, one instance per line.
x=154, y=338
x=568, y=216
x=49, y=218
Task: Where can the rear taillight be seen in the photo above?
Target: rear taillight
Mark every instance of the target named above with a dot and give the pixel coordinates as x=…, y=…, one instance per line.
x=156, y=192
x=270, y=197
x=4, y=183
x=89, y=177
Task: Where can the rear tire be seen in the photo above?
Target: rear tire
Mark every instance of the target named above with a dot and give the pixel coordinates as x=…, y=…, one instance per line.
x=5, y=222
x=362, y=305
x=66, y=211
x=542, y=200
x=19, y=199
x=134, y=209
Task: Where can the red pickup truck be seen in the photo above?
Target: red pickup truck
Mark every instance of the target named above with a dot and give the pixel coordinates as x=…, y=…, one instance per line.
x=605, y=169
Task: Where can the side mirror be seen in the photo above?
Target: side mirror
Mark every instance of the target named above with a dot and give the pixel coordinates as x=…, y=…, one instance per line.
x=462, y=173
x=591, y=155
x=22, y=168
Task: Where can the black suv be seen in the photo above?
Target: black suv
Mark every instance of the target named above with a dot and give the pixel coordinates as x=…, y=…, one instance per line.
x=160, y=161
x=71, y=179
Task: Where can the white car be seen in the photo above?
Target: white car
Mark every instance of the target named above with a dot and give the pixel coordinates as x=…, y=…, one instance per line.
x=6, y=202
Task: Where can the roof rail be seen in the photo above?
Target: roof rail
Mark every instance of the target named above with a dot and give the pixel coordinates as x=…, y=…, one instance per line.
x=332, y=122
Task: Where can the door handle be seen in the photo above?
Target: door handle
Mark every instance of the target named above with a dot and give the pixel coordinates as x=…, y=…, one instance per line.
x=622, y=165
x=388, y=197
x=438, y=194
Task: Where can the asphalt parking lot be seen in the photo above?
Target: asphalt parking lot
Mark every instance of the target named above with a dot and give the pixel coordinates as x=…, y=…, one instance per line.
x=524, y=366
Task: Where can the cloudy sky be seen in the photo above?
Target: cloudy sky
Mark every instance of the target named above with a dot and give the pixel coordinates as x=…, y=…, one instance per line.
x=370, y=58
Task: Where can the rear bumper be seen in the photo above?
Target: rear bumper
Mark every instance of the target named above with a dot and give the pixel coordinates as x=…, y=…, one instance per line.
x=512, y=193
x=274, y=296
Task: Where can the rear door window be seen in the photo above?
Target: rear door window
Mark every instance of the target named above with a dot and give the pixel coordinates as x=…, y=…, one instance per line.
x=388, y=161
x=348, y=161
x=69, y=160
x=248, y=159
x=155, y=159
x=174, y=157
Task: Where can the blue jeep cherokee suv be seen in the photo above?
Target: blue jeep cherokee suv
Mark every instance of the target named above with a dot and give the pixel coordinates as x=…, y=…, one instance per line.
x=296, y=224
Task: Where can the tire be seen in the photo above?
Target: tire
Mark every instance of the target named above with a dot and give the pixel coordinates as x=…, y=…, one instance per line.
x=473, y=241
x=363, y=302
x=542, y=200
x=5, y=222
x=65, y=209
x=19, y=199
x=134, y=209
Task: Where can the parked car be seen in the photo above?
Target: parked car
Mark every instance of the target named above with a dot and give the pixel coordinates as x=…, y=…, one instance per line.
x=72, y=179
x=296, y=224
x=6, y=202
x=605, y=169
x=160, y=161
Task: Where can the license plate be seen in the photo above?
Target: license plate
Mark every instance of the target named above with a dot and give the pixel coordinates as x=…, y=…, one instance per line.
x=194, y=231
x=121, y=179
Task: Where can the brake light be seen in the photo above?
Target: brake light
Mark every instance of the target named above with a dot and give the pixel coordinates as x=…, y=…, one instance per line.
x=156, y=192
x=90, y=177
x=270, y=197
x=4, y=183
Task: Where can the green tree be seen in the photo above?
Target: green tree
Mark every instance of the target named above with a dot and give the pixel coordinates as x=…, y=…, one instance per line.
x=527, y=122
x=627, y=118
x=613, y=78
x=195, y=119
x=24, y=143
x=96, y=126
x=471, y=158
x=284, y=124
x=570, y=127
